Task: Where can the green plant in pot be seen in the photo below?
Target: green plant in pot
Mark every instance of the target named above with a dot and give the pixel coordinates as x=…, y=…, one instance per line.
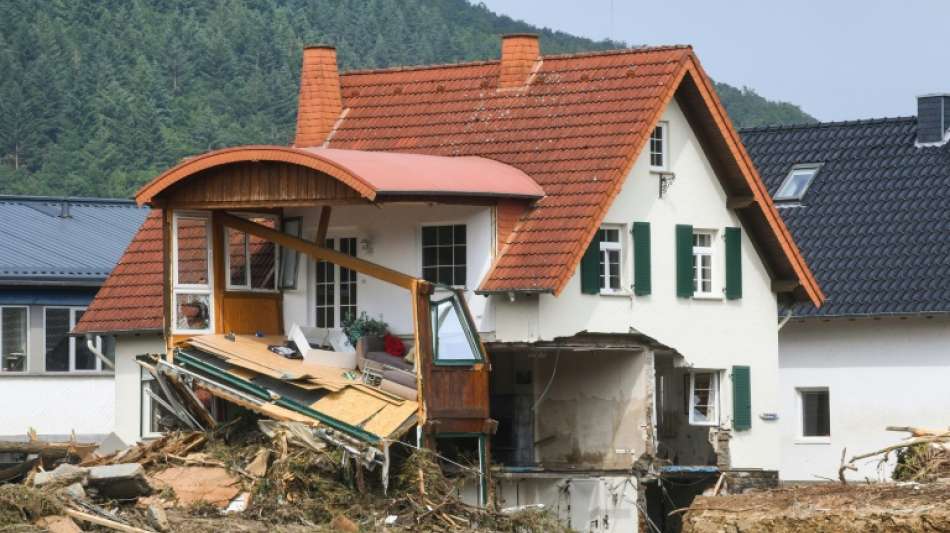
x=363, y=327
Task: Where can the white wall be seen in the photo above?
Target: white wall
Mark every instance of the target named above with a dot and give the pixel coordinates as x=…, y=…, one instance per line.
x=879, y=372
x=128, y=383
x=715, y=333
x=57, y=405
x=396, y=242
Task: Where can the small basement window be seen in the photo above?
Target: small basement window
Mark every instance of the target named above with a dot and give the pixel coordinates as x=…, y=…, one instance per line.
x=797, y=182
x=610, y=259
x=816, y=412
x=704, y=398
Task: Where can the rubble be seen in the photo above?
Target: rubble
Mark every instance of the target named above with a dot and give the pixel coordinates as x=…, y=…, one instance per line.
x=251, y=476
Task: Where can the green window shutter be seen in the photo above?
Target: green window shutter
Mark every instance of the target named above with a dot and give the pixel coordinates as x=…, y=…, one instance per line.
x=733, y=263
x=590, y=267
x=642, y=283
x=741, y=398
x=684, y=261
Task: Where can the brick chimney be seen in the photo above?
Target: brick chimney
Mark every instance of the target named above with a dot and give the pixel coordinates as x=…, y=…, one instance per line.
x=320, y=104
x=518, y=55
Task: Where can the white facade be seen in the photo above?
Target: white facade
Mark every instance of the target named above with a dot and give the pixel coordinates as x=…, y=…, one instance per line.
x=713, y=333
x=128, y=383
x=878, y=373
x=54, y=404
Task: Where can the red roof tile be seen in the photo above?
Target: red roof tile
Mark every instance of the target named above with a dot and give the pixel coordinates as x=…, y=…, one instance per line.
x=131, y=298
x=575, y=128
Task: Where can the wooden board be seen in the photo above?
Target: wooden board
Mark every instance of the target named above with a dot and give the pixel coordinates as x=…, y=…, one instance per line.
x=250, y=349
x=351, y=405
x=387, y=421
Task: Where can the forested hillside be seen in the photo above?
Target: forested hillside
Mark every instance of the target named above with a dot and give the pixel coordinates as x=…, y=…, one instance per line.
x=96, y=97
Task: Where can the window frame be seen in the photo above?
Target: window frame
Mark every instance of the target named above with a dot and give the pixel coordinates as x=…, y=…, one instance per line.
x=664, y=127
x=800, y=167
x=800, y=436
x=468, y=328
x=73, y=309
x=612, y=246
x=248, y=275
x=422, y=247
x=336, y=285
x=698, y=253
x=191, y=288
x=715, y=392
x=29, y=335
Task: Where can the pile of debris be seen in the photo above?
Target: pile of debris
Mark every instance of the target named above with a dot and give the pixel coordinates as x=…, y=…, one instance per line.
x=917, y=500
x=259, y=475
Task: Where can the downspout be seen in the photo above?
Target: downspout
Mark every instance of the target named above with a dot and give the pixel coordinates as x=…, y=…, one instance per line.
x=785, y=319
x=97, y=352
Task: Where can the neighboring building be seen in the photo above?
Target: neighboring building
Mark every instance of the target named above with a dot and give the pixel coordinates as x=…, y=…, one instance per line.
x=869, y=205
x=618, y=253
x=54, y=255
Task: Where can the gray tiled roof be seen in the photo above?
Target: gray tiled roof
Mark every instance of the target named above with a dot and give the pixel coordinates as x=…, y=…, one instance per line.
x=38, y=245
x=875, y=224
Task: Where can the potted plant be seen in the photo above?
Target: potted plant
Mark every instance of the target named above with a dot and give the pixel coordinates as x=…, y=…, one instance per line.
x=365, y=333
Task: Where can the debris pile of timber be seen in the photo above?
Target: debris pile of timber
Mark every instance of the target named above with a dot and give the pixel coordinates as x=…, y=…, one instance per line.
x=924, y=456
x=250, y=475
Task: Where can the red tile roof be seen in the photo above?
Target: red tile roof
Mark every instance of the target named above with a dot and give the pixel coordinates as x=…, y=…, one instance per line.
x=131, y=298
x=576, y=126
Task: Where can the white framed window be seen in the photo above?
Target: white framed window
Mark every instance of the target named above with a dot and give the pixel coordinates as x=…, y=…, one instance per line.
x=703, y=254
x=252, y=263
x=336, y=287
x=65, y=353
x=611, y=258
x=444, y=254
x=191, y=273
x=797, y=181
x=14, y=338
x=704, y=398
x=659, y=147
x=815, y=413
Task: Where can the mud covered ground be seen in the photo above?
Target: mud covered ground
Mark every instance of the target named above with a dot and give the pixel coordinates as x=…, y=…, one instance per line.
x=825, y=508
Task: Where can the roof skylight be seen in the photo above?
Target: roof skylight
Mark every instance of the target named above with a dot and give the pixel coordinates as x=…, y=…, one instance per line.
x=797, y=182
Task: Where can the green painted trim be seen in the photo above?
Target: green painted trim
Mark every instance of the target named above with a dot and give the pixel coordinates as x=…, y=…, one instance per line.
x=733, y=263
x=590, y=267
x=642, y=277
x=306, y=410
x=186, y=360
x=684, y=261
x=741, y=398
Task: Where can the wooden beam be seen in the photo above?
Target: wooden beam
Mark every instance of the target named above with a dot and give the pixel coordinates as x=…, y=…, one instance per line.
x=785, y=285
x=739, y=202
x=323, y=226
x=319, y=252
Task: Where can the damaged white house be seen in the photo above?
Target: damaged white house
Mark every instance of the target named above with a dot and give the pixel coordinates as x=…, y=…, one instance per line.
x=565, y=267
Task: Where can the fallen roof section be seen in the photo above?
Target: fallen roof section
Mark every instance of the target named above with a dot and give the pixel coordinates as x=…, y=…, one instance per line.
x=372, y=174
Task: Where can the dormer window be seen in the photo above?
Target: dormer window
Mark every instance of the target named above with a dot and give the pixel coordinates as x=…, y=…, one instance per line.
x=659, y=147
x=797, y=182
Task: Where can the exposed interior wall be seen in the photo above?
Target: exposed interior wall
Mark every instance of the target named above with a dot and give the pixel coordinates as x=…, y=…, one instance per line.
x=595, y=412
x=128, y=383
x=393, y=232
x=879, y=373
x=712, y=333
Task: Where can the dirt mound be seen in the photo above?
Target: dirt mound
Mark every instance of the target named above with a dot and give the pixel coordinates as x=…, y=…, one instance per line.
x=825, y=509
